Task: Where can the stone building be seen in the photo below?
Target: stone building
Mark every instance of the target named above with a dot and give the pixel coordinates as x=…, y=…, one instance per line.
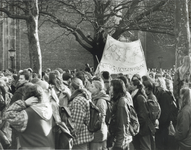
x=64, y=52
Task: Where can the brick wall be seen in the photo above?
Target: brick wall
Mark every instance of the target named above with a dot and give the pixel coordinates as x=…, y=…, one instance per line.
x=57, y=51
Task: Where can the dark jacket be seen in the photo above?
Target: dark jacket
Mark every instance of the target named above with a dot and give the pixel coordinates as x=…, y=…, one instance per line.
x=39, y=126
x=139, y=102
x=183, y=128
x=164, y=99
x=120, y=123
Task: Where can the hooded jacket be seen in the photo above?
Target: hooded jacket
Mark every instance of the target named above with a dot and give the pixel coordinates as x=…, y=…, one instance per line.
x=34, y=124
x=100, y=101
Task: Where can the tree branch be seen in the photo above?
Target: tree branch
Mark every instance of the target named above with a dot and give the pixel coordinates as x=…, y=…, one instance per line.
x=13, y=16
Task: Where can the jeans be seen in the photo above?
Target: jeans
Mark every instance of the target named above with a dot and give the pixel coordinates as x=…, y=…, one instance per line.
x=98, y=146
x=81, y=146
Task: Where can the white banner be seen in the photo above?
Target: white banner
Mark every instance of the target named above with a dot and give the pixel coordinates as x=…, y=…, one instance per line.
x=122, y=57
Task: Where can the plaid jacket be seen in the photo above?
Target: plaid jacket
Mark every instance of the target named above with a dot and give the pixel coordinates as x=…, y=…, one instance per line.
x=80, y=112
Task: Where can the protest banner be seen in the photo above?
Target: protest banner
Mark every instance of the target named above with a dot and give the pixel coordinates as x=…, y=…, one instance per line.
x=122, y=57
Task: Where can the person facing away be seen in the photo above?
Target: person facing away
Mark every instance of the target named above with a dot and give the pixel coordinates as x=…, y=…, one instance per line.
x=80, y=114
x=99, y=98
x=33, y=119
x=183, y=127
x=119, y=126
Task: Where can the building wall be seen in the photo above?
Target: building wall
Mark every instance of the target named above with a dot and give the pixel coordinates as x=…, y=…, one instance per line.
x=57, y=51
x=64, y=52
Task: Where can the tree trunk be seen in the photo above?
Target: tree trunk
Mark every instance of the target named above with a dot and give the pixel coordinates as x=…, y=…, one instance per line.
x=182, y=30
x=34, y=44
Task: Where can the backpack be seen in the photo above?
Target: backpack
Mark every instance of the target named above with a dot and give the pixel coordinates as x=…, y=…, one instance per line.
x=65, y=115
x=95, y=118
x=153, y=109
x=134, y=126
x=108, y=112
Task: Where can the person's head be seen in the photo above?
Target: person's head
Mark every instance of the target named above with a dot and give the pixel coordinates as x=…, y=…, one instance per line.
x=34, y=90
x=136, y=77
x=160, y=82
x=169, y=85
x=105, y=75
x=76, y=84
x=95, y=87
x=81, y=75
x=185, y=95
x=55, y=81
x=23, y=77
x=125, y=80
x=148, y=86
x=66, y=76
x=136, y=84
x=117, y=89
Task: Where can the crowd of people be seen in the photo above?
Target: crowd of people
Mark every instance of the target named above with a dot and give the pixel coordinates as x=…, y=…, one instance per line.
x=30, y=110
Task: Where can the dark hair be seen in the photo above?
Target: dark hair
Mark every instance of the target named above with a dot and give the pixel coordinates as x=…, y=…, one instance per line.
x=54, y=80
x=81, y=75
x=66, y=76
x=148, y=84
x=119, y=89
x=125, y=80
x=137, y=83
x=136, y=76
x=26, y=74
x=140, y=86
x=33, y=90
x=106, y=75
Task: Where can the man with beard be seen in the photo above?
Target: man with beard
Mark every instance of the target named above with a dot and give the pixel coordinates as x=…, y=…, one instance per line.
x=23, y=81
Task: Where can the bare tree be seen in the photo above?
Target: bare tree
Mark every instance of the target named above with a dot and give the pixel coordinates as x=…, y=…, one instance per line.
x=183, y=46
x=109, y=17
x=27, y=10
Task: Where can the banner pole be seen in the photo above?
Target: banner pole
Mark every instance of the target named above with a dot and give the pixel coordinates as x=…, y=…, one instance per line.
x=97, y=59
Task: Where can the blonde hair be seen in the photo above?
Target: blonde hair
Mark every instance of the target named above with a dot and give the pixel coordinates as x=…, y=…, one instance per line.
x=186, y=99
x=162, y=83
x=169, y=85
x=98, y=84
x=185, y=67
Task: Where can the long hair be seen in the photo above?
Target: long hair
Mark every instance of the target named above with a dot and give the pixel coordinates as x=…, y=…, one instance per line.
x=54, y=80
x=119, y=89
x=186, y=96
x=162, y=83
x=185, y=67
x=140, y=86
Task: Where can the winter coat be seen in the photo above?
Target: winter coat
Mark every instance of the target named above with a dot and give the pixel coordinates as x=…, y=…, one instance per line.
x=100, y=101
x=119, y=126
x=183, y=127
x=164, y=100
x=24, y=120
x=139, y=101
x=80, y=113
